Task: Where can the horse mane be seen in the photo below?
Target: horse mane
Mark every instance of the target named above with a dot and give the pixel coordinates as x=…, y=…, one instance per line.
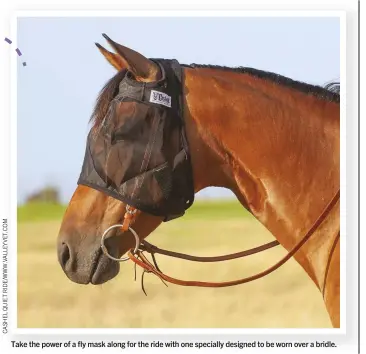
x=330, y=92
x=333, y=87
x=106, y=95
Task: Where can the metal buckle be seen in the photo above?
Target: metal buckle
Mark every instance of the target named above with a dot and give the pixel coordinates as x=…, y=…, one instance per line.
x=105, y=250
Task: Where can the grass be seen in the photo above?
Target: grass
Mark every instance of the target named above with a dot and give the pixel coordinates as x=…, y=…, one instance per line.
x=285, y=298
x=37, y=211
x=40, y=211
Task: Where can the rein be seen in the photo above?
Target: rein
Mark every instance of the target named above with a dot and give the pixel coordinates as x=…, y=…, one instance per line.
x=149, y=248
x=138, y=257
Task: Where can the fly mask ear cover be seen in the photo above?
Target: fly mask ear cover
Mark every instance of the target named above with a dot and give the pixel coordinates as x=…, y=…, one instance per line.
x=139, y=154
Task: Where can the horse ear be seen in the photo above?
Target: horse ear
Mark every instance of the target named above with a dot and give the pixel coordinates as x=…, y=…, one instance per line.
x=142, y=68
x=114, y=59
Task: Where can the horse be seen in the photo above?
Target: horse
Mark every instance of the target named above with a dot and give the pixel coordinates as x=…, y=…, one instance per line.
x=274, y=142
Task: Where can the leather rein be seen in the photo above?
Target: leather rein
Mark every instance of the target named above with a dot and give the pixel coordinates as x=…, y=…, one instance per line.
x=138, y=257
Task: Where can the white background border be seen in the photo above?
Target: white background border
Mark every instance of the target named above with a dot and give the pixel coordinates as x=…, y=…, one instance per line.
x=5, y=128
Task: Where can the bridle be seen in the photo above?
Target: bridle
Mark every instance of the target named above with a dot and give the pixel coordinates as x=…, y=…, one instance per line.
x=138, y=257
x=174, y=186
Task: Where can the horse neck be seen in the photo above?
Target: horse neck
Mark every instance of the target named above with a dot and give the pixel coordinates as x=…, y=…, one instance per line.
x=275, y=147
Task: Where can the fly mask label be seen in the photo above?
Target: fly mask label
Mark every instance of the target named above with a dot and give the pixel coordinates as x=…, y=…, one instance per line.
x=139, y=154
x=161, y=98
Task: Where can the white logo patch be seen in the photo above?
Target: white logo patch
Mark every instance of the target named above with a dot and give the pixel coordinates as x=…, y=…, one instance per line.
x=160, y=98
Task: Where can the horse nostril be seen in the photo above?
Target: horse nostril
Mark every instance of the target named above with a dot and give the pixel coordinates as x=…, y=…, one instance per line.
x=64, y=254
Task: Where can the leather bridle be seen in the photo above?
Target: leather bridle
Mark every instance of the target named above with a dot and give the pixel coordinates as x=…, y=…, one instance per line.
x=138, y=257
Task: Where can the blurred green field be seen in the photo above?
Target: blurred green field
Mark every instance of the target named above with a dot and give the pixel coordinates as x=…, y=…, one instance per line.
x=285, y=298
x=40, y=212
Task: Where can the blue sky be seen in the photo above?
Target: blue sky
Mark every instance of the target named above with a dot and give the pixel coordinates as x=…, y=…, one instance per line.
x=65, y=71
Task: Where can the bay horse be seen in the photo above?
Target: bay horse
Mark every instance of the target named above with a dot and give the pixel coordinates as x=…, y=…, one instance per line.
x=274, y=142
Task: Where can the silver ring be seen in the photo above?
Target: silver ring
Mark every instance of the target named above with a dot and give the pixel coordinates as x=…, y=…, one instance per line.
x=105, y=250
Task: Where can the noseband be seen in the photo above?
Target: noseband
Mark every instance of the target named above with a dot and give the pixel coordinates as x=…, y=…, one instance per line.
x=138, y=257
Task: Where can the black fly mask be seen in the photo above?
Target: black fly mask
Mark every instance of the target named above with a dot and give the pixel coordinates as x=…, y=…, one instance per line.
x=139, y=154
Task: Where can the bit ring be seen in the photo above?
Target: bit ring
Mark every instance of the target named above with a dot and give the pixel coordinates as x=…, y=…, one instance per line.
x=105, y=250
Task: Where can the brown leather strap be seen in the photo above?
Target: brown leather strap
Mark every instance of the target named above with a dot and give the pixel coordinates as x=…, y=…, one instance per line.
x=148, y=247
x=140, y=259
x=129, y=217
x=336, y=239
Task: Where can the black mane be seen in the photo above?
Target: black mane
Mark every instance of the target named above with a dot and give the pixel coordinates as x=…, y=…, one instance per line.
x=106, y=95
x=331, y=91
